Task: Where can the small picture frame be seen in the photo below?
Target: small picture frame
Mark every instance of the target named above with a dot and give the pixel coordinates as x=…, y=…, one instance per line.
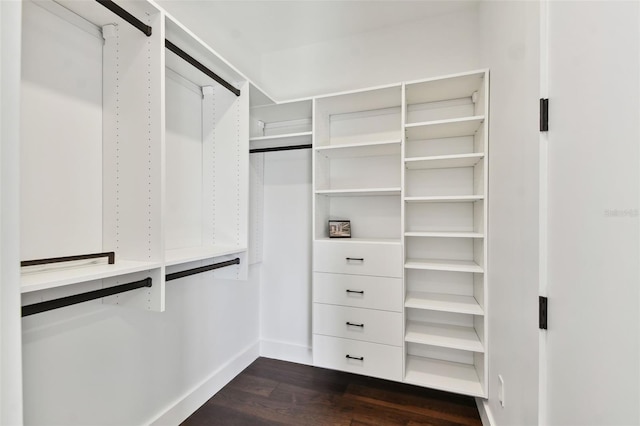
x=339, y=229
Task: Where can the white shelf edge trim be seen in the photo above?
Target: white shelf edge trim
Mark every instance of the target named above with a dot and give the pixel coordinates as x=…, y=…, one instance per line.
x=428, y=234
x=444, y=265
x=58, y=277
x=448, y=121
x=192, y=254
x=444, y=199
x=276, y=137
x=361, y=191
x=357, y=145
x=393, y=241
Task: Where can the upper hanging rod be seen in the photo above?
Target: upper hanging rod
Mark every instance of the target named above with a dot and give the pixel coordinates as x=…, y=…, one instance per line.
x=279, y=148
x=182, y=274
x=48, y=305
x=190, y=59
x=111, y=256
x=146, y=29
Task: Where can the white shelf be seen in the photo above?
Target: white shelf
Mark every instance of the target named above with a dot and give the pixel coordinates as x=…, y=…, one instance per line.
x=359, y=192
x=443, y=303
x=444, y=161
x=445, y=234
x=439, y=89
x=283, y=137
x=445, y=199
x=393, y=241
x=451, y=128
x=444, y=336
x=192, y=254
x=373, y=149
x=444, y=375
x=359, y=100
x=58, y=276
x=444, y=265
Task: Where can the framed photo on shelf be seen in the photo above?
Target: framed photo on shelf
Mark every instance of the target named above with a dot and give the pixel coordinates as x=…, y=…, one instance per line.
x=339, y=229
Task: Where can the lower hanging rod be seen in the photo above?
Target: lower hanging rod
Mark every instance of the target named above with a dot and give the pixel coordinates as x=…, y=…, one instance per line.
x=279, y=148
x=49, y=305
x=186, y=273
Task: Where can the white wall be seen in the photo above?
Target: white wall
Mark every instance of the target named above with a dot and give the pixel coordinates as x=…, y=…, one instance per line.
x=510, y=47
x=229, y=45
x=285, y=286
x=101, y=364
x=10, y=348
x=436, y=46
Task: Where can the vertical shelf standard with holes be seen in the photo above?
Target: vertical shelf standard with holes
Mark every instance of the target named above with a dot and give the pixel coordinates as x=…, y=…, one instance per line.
x=206, y=161
x=357, y=281
x=445, y=223
x=91, y=149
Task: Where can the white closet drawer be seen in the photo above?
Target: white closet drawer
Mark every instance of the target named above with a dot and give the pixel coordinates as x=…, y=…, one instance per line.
x=358, y=291
x=360, y=324
x=369, y=359
x=378, y=259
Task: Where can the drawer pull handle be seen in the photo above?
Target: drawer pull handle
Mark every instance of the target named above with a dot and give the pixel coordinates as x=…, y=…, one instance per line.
x=356, y=291
x=354, y=324
x=355, y=259
x=358, y=358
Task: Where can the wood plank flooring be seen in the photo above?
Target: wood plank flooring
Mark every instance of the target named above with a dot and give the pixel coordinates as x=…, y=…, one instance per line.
x=272, y=392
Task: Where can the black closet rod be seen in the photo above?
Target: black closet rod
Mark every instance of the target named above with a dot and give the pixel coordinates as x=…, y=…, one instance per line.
x=279, y=148
x=190, y=59
x=186, y=273
x=36, y=308
x=111, y=256
x=146, y=29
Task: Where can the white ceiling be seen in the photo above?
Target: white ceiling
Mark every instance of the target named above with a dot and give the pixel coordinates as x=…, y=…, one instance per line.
x=267, y=26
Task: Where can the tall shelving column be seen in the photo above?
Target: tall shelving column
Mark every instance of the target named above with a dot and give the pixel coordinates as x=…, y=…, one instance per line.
x=90, y=163
x=445, y=193
x=207, y=160
x=357, y=281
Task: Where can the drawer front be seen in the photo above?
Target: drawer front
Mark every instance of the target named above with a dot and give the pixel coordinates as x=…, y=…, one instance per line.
x=359, y=324
x=358, y=291
x=369, y=359
x=383, y=260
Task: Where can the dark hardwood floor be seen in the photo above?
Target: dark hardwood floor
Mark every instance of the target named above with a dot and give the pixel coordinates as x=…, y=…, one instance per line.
x=271, y=392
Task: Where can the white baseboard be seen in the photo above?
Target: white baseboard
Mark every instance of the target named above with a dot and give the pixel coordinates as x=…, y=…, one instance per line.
x=286, y=352
x=177, y=412
x=485, y=412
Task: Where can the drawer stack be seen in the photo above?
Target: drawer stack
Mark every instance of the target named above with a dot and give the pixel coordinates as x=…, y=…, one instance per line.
x=357, y=307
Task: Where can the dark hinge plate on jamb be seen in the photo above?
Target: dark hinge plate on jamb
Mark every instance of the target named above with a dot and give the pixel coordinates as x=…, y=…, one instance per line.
x=544, y=115
x=542, y=303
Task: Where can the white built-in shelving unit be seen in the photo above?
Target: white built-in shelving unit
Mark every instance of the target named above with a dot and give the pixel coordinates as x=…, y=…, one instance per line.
x=125, y=148
x=407, y=166
x=445, y=221
x=357, y=290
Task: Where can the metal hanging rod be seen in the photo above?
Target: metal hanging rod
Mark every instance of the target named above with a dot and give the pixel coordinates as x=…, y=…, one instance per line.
x=279, y=148
x=191, y=60
x=37, y=308
x=111, y=256
x=146, y=29
x=182, y=274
